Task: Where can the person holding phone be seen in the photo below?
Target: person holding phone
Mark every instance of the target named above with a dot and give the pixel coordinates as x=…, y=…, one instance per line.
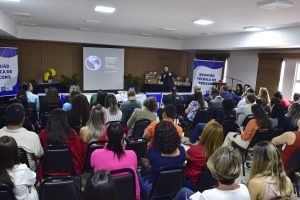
x=167, y=79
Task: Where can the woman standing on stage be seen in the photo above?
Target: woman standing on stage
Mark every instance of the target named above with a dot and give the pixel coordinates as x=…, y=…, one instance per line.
x=167, y=79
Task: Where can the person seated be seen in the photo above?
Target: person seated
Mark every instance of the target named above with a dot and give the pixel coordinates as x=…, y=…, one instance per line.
x=112, y=112
x=148, y=112
x=95, y=129
x=243, y=100
x=80, y=111
x=166, y=152
x=195, y=105
x=226, y=94
x=190, y=98
x=31, y=98
x=58, y=132
x=73, y=90
x=27, y=140
x=260, y=121
x=172, y=98
x=113, y=156
x=52, y=98
x=243, y=111
x=98, y=98
x=277, y=113
x=225, y=167
x=100, y=186
x=216, y=102
x=169, y=115
x=197, y=155
x=296, y=98
x=128, y=106
x=15, y=175
x=263, y=99
x=268, y=179
x=238, y=90
x=292, y=117
x=283, y=101
x=291, y=142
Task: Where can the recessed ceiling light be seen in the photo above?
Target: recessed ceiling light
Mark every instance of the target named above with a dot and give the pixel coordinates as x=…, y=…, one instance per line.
x=146, y=34
x=203, y=22
x=86, y=29
x=275, y=4
x=28, y=24
x=92, y=21
x=21, y=14
x=168, y=29
x=253, y=28
x=10, y=0
x=105, y=9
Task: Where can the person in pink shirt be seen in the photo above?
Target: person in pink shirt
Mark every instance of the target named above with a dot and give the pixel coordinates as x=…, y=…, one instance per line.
x=113, y=156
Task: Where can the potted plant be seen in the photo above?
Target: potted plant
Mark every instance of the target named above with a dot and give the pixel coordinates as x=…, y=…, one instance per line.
x=68, y=81
x=132, y=82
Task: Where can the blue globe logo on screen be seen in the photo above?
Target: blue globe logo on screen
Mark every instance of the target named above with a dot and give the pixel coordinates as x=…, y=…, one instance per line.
x=93, y=63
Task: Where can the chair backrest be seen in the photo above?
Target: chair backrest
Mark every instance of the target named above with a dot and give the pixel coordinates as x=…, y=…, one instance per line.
x=31, y=112
x=229, y=126
x=62, y=188
x=57, y=159
x=139, y=146
x=127, y=115
x=202, y=116
x=125, y=183
x=167, y=183
x=247, y=119
x=139, y=127
x=91, y=148
x=23, y=157
x=6, y=192
x=294, y=163
x=261, y=135
x=51, y=107
x=206, y=180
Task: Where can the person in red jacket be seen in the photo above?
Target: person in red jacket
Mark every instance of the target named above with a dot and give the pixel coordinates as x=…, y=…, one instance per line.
x=58, y=132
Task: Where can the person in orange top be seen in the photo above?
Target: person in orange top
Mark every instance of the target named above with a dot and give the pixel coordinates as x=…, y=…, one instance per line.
x=169, y=114
x=260, y=121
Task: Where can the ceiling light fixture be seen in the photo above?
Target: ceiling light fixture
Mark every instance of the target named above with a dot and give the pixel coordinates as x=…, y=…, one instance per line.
x=168, y=29
x=92, y=21
x=203, y=22
x=253, y=28
x=105, y=9
x=10, y=0
x=275, y=4
x=21, y=14
x=146, y=34
x=86, y=29
x=28, y=24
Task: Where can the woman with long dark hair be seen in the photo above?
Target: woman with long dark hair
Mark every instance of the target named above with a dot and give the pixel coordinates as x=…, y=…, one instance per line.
x=112, y=113
x=260, y=121
x=80, y=111
x=58, y=132
x=198, y=103
x=100, y=186
x=113, y=156
x=17, y=176
x=51, y=98
x=238, y=89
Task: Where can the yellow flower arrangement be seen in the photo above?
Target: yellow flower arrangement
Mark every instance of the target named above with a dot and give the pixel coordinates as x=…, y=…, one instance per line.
x=50, y=74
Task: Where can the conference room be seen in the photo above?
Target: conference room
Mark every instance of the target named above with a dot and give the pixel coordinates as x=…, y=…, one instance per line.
x=92, y=91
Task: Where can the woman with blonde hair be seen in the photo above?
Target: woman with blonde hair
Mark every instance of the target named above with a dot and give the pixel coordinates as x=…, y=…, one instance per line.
x=263, y=99
x=197, y=155
x=268, y=179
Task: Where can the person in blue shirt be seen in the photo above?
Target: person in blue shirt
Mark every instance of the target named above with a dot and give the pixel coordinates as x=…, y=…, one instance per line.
x=31, y=98
x=226, y=94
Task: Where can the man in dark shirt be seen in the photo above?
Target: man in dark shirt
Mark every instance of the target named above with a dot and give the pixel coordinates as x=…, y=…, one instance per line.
x=128, y=106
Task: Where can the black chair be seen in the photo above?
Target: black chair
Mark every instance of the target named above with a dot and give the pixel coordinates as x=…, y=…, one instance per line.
x=125, y=183
x=259, y=136
x=229, y=125
x=23, y=157
x=202, y=116
x=294, y=167
x=247, y=119
x=59, y=188
x=139, y=128
x=91, y=148
x=6, y=192
x=167, y=183
x=57, y=159
x=31, y=113
x=206, y=180
x=139, y=146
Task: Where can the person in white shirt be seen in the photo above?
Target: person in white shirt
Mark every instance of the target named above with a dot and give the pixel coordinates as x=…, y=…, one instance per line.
x=31, y=98
x=27, y=140
x=245, y=110
x=225, y=167
x=243, y=101
x=17, y=176
x=112, y=112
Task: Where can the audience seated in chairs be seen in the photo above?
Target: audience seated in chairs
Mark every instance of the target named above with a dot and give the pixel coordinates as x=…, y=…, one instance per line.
x=25, y=139
x=292, y=117
x=100, y=186
x=148, y=112
x=73, y=90
x=263, y=99
x=31, y=98
x=195, y=105
x=166, y=152
x=98, y=98
x=225, y=166
x=242, y=102
x=260, y=121
x=80, y=112
x=50, y=101
x=58, y=132
x=173, y=98
x=197, y=155
x=245, y=110
x=129, y=106
x=112, y=112
x=16, y=176
x=113, y=156
x=268, y=179
x=291, y=142
x=277, y=113
x=216, y=102
x=95, y=129
x=169, y=114
x=283, y=101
